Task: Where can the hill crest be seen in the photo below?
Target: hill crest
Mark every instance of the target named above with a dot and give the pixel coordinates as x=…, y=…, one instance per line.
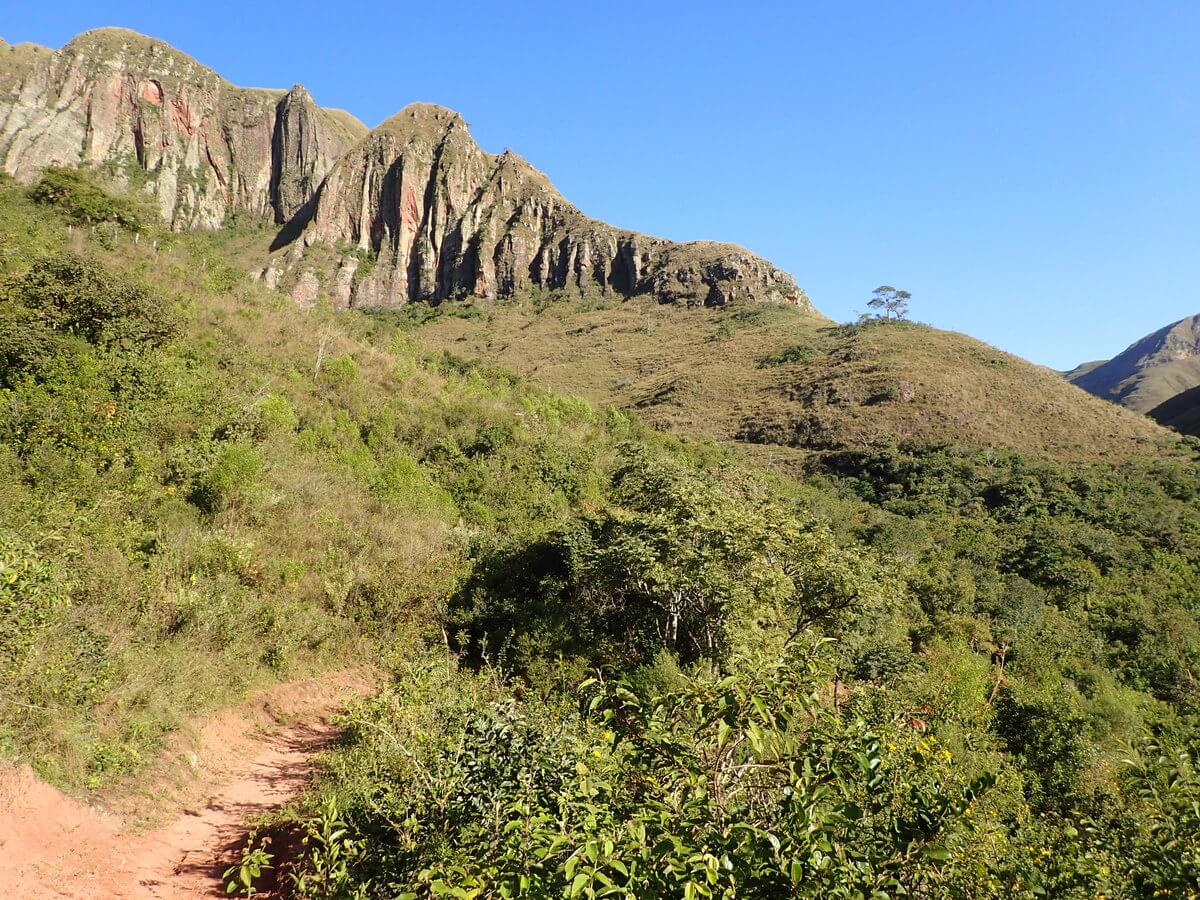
x=790, y=382
x=432, y=214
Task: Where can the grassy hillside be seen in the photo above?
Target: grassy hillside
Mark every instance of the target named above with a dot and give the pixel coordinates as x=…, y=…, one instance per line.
x=778, y=375
x=1181, y=412
x=206, y=487
x=622, y=662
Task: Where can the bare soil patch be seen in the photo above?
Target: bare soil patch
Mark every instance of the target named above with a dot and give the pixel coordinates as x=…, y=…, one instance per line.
x=173, y=832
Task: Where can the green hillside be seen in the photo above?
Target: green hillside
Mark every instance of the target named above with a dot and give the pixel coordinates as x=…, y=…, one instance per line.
x=949, y=654
x=206, y=487
x=784, y=376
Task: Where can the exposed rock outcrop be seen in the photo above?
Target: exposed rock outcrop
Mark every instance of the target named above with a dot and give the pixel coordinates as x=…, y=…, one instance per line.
x=159, y=121
x=413, y=210
x=440, y=218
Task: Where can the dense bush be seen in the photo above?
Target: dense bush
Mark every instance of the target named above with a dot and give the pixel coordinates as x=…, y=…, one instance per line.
x=672, y=563
x=924, y=670
x=739, y=786
x=73, y=295
x=753, y=784
x=85, y=202
x=32, y=596
x=994, y=761
x=233, y=478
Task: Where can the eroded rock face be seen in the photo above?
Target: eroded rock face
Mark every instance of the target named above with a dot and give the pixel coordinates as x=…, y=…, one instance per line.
x=413, y=211
x=157, y=120
x=441, y=218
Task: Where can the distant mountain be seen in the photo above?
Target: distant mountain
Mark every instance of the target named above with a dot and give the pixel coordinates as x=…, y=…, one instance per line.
x=1150, y=371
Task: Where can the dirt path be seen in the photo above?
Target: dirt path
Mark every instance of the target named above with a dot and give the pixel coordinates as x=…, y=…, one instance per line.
x=239, y=764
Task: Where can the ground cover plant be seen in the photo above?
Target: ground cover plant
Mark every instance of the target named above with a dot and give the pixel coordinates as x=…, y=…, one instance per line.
x=621, y=662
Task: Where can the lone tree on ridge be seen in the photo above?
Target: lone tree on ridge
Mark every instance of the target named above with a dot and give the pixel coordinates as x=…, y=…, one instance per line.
x=894, y=303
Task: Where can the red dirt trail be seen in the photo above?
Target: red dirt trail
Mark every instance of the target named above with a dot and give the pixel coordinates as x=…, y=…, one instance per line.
x=172, y=833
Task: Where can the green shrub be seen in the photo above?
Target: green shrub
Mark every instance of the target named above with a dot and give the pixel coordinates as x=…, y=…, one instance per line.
x=231, y=480
x=405, y=483
x=276, y=415
x=672, y=562
x=76, y=295
x=798, y=353
x=83, y=201
x=220, y=277
x=26, y=339
x=340, y=372
x=32, y=597
x=731, y=786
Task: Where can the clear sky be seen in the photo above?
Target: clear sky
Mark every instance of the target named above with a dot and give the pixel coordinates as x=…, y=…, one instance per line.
x=1030, y=171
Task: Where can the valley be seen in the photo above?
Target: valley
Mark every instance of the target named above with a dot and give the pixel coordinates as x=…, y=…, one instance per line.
x=375, y=523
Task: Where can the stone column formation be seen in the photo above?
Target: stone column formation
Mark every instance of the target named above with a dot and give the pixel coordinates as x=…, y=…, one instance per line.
x=429, y=215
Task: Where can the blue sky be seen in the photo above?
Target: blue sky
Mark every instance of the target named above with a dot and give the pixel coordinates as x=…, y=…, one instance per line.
x=1030, y=171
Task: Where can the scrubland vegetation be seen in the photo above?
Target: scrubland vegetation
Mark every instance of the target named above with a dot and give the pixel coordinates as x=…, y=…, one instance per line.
x=622, y=663
x=785, y=377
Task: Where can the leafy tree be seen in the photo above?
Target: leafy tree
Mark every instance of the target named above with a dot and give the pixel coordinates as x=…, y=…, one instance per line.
x=673, y=562
x=74, y=294
x=85, y=202
x=892, y=302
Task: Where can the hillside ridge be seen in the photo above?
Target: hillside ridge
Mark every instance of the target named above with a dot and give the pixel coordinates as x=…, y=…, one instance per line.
x=438, y=218
x=780, y=378
x=1149, y=371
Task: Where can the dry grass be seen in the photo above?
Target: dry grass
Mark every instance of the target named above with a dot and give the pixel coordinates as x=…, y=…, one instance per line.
x=704, y=372
x=16, y=60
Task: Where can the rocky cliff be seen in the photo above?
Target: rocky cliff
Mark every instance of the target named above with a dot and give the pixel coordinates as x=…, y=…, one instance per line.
x=413, y=210
x=160, y=122
x=420, y=212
